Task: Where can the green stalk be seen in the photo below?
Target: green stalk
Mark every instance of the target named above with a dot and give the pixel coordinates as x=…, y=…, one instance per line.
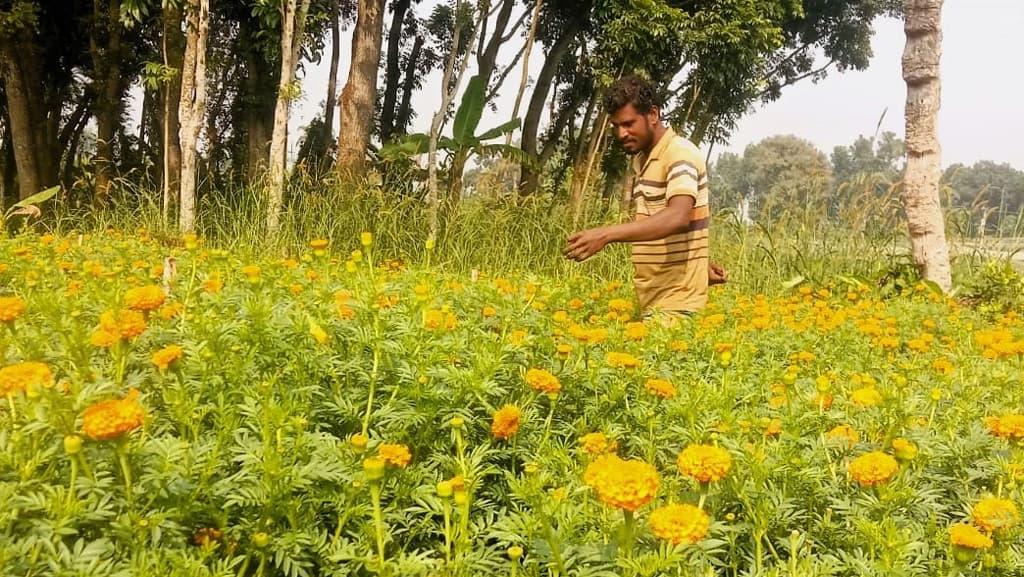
x=378, y=522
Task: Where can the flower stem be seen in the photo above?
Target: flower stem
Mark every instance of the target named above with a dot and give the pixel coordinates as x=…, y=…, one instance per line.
x=122, y=457
x=378, y=522
x=71, y=483
x=373, y=378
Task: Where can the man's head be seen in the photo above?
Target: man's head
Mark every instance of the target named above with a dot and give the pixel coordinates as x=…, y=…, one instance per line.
x=634, y=112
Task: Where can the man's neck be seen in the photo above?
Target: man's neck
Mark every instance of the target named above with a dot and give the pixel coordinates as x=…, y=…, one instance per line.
x=659, y=131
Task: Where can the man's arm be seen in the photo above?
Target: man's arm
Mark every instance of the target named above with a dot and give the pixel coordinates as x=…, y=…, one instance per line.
x=674, y=218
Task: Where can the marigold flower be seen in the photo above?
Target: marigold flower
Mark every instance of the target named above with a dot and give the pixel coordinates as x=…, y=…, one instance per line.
x=543, y=381
x=622, y=360
x=904, y=449
x=597, y=443
x=679, y=523
x=397, y=455
x=11, y=308
x=167, y=355
x=145, y=298
x=620, y=483
x=168, y=312
x=436, y=319
x=993, y=513
x=661, y=388
x=705, y=463
x=874, y=468
x=206, y=536
x=506, y=422
x=843, y=433
x=968, y=536
x=636, y=331
x=18, y=378
x=866, y=397
x=113, y=418
x=1009, y=426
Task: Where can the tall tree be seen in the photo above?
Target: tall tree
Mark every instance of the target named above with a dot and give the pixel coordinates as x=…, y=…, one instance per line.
x=293, y=24
x=359, y=96
x=923, y=28
x=173, y=51
x=193, y=105
x=105, y=46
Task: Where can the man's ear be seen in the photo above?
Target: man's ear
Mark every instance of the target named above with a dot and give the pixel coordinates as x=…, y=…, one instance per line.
x=654, y=115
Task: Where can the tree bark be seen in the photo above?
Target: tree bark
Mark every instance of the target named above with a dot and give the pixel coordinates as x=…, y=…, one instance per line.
x=193, y=106
x=107, y=83
x=360, y=93
x=923, y=170
x=332, y=79
x=174, y=55
x=524, y=79
x=404, y=116
x=22, y=98
x=530, y=180
x=487, y=59
x=392, y=70
x=293, y=23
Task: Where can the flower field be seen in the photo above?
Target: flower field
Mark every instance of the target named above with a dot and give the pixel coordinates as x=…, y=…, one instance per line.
x=172, y=409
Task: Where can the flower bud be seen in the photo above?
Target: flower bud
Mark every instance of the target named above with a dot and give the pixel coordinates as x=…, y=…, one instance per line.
x=374, y=469
x=72, y=444
x=515, y=552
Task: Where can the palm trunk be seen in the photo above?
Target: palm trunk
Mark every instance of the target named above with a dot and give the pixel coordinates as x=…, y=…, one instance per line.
x=923, y=170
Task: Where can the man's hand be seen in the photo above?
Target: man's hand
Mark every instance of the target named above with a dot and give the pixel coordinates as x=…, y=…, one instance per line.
x=716, y=274
x=586, y=244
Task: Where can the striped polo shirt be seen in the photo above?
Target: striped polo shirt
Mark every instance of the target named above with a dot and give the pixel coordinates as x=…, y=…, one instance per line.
x=671, y=274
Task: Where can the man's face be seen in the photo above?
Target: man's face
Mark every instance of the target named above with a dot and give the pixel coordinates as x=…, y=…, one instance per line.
x=634, y=130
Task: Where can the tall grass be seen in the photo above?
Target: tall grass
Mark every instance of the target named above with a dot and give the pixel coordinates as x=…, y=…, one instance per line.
x=864, y=238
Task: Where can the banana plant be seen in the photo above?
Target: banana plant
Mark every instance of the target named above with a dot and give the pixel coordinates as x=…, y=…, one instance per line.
x=27, y=207
x=464, y=142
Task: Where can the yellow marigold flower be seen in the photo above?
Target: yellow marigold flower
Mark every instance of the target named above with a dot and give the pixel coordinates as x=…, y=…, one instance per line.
x=874, y=468
x=397, y=455
x=866, y=397
x=318, y=333
x=543, y=381
x=11, y=308
x=436, y=319
x=705, y=463
x=366, y=238
x=213, y=285
x=843, y=433
x=167, y=355
x=968, y=536
x=118, y=325
x=506, y=422
x=113, y=418
x=168, y=312
x=597, y=443
x=904, y=449
x=18, y=378
x=942, y=366
x=575, y=304
x=563, y=349
x=679, y=346
x=636, y=331
x=993, y=513
x=319, y=243
x=623, y=484
x=661, y=388
x=145, y=298
x=489, y=312
x=1009, y=426
x=622, y=360
x=679, y=523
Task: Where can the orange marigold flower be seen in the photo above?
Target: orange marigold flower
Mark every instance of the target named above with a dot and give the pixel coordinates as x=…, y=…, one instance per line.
x=620, y=483
x=123, y=324
x=866, y=397
x=397, y=455
x=704, y=463
x=18, y=378
x=167, y=355
x=113, y=418
x=506, y=422
x=844, y=434
x=145, y=298
x=437, y=319
x=661, y=388
x=968, y=536
x=597, y=443
x=489, y=312
x=636, y=331
x=993, y=513
x=904, y=449
x=206, y=536
x=543, y=381
x=168, y=312
x=1009, y=426
x=679, y=523
x=622, y=360
x=874, y=468
x=11, y=308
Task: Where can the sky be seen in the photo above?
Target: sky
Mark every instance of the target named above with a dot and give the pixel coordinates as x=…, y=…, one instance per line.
x=980, y=117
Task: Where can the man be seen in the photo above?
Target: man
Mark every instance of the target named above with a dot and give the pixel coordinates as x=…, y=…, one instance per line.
x=670, y=187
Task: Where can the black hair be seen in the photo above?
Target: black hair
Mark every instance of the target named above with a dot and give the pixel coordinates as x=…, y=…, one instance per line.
x=631, y=89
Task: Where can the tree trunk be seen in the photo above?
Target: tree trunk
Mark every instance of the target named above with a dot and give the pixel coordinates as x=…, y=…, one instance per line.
x=174, y=54
x=923, y=170
x=404, y=116
x=487, y=59
x=359, y=96
x=530, y=38
x=292, y=26
x=21, y=100
x=530, y=180
x=193, y=106
x=332, y=79
x=107, y=67
x=392, y=70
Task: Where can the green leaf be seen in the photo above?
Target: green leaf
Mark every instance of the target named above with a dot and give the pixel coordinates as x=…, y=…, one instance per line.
x=38, y=197
x=467, y=117
x=793, y=282
x=500, y=130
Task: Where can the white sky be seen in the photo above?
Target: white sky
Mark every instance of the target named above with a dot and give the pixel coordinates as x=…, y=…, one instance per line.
x=982, y=87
